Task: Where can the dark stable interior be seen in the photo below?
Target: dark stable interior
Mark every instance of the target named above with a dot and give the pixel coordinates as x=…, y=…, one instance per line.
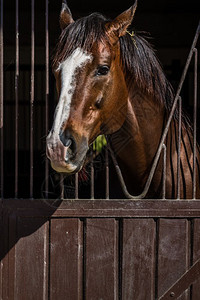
x=171, y=25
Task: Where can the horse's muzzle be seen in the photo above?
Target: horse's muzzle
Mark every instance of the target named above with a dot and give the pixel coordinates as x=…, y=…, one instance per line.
x=66, y=155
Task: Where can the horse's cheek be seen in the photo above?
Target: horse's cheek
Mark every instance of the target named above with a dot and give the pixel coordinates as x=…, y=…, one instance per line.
x=114, y=118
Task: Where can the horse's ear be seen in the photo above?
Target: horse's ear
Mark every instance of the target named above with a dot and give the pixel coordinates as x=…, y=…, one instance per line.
x=65, y=15
x=119, y=25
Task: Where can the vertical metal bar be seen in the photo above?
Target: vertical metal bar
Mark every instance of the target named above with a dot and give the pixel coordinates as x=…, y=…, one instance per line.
x=195, y=125
x=61, y=186
x=164, y=172
x=16, y=96
x=179, y=147
x=107, y=175
x=1, y=64
x=76, y=186
x=47, y=92
x=92, y=176
x=1, y=98
x=32, y=93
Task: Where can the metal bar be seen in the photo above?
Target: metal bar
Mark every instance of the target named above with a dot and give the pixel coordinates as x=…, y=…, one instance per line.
x=107, y=175
x=62, y=191
x=32, y=93
x=1, y=124
x=183, y=283
x=119, y=174
x=47, y=91
x=157, y=156
x=92, y=177
x=179, y=147
x=195, y=125
x=164, y=172
x=1, y=98
x=76, y=186
x=1, y=64
x=16, y=97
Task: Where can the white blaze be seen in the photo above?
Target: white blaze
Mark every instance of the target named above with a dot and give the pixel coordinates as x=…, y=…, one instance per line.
x=68, y=68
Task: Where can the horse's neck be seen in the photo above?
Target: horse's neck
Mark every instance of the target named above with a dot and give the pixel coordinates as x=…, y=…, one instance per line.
x=135, y=144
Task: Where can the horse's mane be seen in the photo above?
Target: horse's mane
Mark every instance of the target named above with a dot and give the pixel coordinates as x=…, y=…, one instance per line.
x=137, y=55
x=142, y=67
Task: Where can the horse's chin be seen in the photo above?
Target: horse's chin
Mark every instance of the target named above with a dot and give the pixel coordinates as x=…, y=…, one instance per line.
x=67, y=168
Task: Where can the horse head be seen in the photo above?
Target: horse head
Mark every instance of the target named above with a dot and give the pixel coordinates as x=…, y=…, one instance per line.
x=91, y=85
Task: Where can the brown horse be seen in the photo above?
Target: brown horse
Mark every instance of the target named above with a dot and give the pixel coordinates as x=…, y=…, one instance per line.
x=110, y=82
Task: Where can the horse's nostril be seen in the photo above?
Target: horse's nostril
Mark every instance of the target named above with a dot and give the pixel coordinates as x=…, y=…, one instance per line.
x=69, y=142
x=65, y=139
x=72, y=147
x=71, y=151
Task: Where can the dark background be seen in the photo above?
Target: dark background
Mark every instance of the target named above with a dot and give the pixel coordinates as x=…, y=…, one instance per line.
x=171, y=24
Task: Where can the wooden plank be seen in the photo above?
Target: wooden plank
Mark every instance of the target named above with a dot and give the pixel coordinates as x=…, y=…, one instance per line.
x=101, y=252
x=173, y=253
x=196, y=256
x=2, y=250
x=105, y=208
x=31, y=261
x=15, y=231
x=138, y=268
x=11, y=255
x=8, y=257
x=66, y=259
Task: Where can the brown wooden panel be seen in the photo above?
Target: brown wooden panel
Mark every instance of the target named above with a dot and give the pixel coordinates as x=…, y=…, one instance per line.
x=101, y=259
x=27, y=260
x=9, y=269
x=4, y=244
x=138, y=259
x=105, y=208
x=173, y=253
x=66, y=259
x=196, y=256
x=31, y=261
x=128, y=208
x=2, y=250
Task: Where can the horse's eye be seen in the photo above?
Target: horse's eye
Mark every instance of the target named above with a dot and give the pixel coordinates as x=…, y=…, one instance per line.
x=102, y=70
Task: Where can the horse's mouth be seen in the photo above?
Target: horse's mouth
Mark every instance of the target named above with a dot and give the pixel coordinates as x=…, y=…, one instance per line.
x=66, y=155
x=63, y=161
x=66, y=168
